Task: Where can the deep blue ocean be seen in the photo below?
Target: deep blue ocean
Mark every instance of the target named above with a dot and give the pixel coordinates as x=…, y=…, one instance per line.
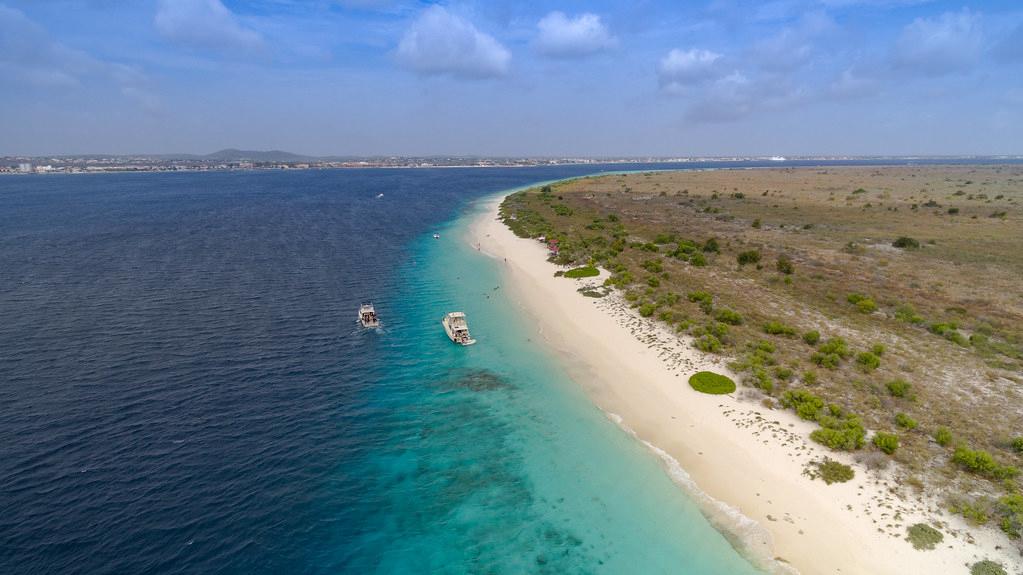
x=184, y=389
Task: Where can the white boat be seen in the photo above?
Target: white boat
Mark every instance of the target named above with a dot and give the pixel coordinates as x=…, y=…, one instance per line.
x=436, y=236
x=457, y=329
x=368, y=316
x=379, y=196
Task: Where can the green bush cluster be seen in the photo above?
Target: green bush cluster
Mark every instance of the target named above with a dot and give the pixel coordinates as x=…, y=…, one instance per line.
x=949, y=331
x=1017, y=445
x=863, y=303
x=711, y=246
x=905, y=422
x=704, y=299
x=943, y=436
x=982, y=463
x=647, y=309
x=784, y=265
x=775, y=327
x=806, y=405
x=906, y=242
x=831, y=471
x=886, y=442
x=868, y=361
x=652, y=266
x=748, y=257
x=708, y=343
x=906, y=313
x=844, y=432
x=831, y=353
x=731, y=317
x=899, y=388
x=812, y=337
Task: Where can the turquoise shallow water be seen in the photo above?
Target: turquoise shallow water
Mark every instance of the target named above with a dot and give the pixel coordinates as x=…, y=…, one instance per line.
x=505, y=466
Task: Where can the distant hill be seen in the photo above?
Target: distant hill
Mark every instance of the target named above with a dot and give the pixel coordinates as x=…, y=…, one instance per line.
x=232, y=155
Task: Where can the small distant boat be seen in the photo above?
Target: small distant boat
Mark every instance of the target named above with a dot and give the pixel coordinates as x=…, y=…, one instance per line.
x=436, y=236
x=368, y=316
x=457, y=329
x=379, y=196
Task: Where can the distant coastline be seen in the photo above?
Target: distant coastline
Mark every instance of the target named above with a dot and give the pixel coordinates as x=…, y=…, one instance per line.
x=239, y=160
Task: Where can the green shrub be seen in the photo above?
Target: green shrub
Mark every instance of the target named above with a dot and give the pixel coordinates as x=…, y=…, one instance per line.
x=907, y=314
x=826, y=360
x=866, y=305
x=845, y=434
x=708, y=343
x=905, y=242
x=831, y=471
x=756, y=223
x=653, y=281
x=647, y=309
x=783, y=373
x=868, y=361
x=562, y=210
x=665, y=239
x=923, y=536
x=809, y=377
x=806, y=405
x=987, y=567
x=710, y=382
x=784, y=265
x=778, y=328
x=905, y=422
x=731, y=317
x=700, y=297
x=711, y=246
x=982, y=463
x=899, y=388
x=837, y=346
x=749, y=257
x=812, y=337
x=877, y=349
x=697, y=259
x=583, y=272
x=943, y=436
x=652, y=266
x=886, y=442
x=1017, y=445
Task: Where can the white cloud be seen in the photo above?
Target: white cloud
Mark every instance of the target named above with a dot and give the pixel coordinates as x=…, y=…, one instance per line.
x=680, y=69
x=793, y=46
x=205, y=25
x=29, y=57
x=564, y=37
x=440, y=42
x=937, y=46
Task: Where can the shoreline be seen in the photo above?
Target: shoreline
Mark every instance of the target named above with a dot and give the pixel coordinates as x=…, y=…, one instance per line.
x=742, y=462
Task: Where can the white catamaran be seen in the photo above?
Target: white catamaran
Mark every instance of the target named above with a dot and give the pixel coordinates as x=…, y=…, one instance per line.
x=457, y=329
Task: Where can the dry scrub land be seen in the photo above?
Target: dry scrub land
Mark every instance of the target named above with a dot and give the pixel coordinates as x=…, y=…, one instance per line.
x=883, y=303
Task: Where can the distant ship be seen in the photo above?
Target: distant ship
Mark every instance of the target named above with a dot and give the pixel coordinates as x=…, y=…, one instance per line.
x=457, y=329
x=436, y=236
x=777, y=158
x=379, y=196
x=368, y=316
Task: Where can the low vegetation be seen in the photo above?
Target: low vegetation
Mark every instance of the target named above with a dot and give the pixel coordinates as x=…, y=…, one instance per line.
x=710, y=382
x=923, y=536
x=830, y=471
x=582, y=272
x=839, y=306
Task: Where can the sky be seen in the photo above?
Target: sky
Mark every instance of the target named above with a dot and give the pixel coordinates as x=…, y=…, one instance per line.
x=508, y=78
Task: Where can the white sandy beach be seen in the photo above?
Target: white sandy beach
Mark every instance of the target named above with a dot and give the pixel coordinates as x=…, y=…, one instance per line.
x=739, y=455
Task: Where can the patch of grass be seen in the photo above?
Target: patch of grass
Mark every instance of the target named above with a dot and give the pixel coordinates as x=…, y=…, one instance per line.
x=923, y=536
x=583, y=272
x=987, y=567
x=708, y=343
x=712, y=383
x=868, y=361
x=943, y=436
x=784, y=265
x=1017, y=445
x=812, y=337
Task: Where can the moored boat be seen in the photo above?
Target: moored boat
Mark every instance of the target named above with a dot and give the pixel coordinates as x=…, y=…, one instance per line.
x=368, y=316
x=457, y=328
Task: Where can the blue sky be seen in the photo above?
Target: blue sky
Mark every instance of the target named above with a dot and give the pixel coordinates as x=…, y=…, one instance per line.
x=367, y=77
